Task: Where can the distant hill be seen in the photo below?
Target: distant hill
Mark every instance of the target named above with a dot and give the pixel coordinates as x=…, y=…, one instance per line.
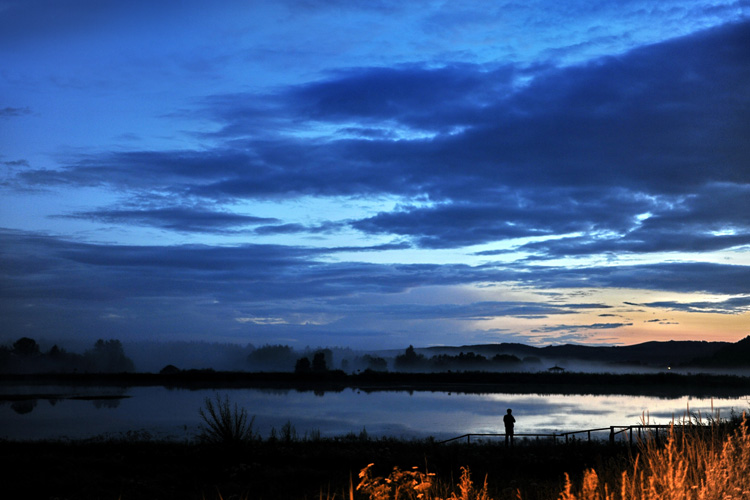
x=654, y=354
x=735, y=355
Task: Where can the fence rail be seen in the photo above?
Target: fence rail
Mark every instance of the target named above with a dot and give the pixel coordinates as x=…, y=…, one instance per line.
x=614, y=431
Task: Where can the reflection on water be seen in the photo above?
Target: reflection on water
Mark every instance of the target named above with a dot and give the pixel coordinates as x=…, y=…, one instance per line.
x=174, y=412
x=23, y=399
x=23, y=407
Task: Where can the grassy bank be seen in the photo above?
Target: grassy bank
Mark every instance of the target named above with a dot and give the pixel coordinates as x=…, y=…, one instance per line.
x=702, y=461
x=279, y=469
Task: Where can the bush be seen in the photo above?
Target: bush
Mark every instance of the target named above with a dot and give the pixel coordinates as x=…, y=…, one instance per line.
x=224, y=424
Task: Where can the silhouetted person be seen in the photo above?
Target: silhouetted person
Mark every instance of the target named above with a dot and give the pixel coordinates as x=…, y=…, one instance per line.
x=509, y=420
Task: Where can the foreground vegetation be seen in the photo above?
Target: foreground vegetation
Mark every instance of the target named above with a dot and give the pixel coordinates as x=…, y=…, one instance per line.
x=695, y=463
x=706, y=461
x=287, y=467
x=699, y=463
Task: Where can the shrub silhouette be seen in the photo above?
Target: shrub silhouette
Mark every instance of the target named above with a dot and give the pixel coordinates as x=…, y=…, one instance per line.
x=224, y=423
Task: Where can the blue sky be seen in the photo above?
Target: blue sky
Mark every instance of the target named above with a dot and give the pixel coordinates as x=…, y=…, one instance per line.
x=375, y=174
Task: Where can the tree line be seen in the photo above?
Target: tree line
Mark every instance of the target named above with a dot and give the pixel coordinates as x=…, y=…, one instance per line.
x=410, y=360
x=26, y=356
x=108, y=356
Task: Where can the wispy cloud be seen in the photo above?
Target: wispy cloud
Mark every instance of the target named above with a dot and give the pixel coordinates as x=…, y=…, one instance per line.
x=9, y=111
x=183, y=219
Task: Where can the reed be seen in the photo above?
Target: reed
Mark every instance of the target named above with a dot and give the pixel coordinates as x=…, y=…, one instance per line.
x=696, y=462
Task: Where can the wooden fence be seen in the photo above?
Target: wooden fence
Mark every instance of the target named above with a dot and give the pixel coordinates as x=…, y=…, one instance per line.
x=626, y=431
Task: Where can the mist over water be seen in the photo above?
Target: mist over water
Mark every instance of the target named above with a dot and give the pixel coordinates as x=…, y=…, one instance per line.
x=151, y=357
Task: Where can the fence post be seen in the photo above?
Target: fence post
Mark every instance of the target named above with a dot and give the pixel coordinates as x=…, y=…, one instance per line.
x=612, y=434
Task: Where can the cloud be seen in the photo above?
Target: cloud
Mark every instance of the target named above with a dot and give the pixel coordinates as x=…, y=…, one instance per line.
x=711, y=218
x=685, y=277
x=594, y=326
x=16, y=163
x=10, y=112
x=509, y=215
x=53, y=284
x=639, y=153
x=734, y=305
x=183, y=219
x=35, y=265
x=294, y=228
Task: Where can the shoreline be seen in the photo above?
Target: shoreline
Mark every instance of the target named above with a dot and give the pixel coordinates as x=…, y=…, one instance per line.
x=654, y=384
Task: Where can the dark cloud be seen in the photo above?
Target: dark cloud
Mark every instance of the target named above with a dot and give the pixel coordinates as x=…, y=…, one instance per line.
x=672, y=276
x=64, y=285
x=183, y=219
x=714, y=217
x=42, y=266
x=594, y=326
x=734, y=305
x=437, y=100
x=294, y=228
x=510, y=214
x=239, y=273
x=474, y=311
x=373, y=248
x=587, y=150
x=10, y=112
x=170, y=171
x=16, y=163
x=641, y=153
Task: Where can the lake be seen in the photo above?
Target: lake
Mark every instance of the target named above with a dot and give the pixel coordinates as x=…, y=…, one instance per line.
x=173, y=413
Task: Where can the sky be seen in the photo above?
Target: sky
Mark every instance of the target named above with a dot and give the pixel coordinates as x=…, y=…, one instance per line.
x=375, y=174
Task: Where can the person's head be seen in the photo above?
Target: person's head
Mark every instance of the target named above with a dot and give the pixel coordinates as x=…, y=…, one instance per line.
x=510, y=411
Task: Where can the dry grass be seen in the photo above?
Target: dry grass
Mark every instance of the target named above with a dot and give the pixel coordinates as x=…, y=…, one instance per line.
x=416, y=485
x=692, y=462
x=695, y=463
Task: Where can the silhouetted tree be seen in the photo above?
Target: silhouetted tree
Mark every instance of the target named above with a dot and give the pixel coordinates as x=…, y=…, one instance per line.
x=273, y=357
x=319, y=362
x=108, y=356
x=327, y=356
x=25, y=347
x=409, y=359
x=5, y=358
x=375, y=363
x=506, y=359
x=169, y=370
x=462, y=361
x=302, y=366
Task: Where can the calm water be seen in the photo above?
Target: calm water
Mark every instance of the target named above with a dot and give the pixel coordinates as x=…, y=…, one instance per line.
x=174, y=412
